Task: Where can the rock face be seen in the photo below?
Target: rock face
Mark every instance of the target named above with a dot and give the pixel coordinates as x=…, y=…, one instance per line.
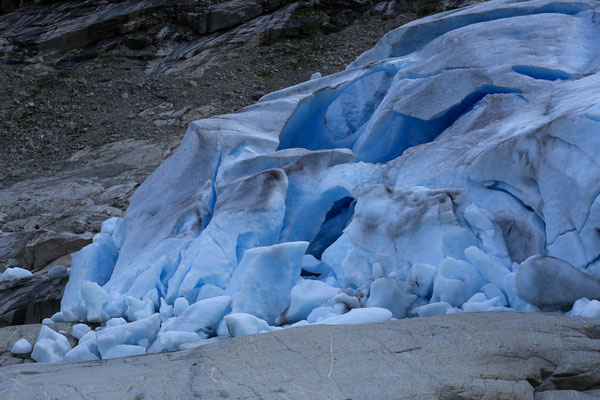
x=212, y=29
x=517, y=356
x=72, y=203
x=29, y=300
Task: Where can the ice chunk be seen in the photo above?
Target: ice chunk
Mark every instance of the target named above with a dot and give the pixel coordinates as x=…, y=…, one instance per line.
x=583, y=308
x=265, y=278
x=51, y=346
x=241, y=324
x=79, y=330
x=377, y=271
x=134, y=333
x=95, y=298
x=91, y=335
x=180, y=305
x=479, y=302
x=489, y=267
x=548, y=281
x=321, y=313
x=166, y=310
x=367, y=315
x=455, y=282
x=14, y=273
x=21, y=346
x=86, y=350
x=306, y=295
x=431, y=309
x=173, y=340
x=349, y=302
x=420, y=277
x=204, y=316
x=58, y=271
x=115, y=322
x=94, y=263
x=139, y=309
x=391, y=294
x=492, y=291
x=124, y=350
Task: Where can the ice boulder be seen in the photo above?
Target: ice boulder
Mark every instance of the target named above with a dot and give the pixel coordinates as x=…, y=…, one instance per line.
x=174, y=340
x=368, y=315
x=79, y=330
x=431, y=309
x=138, y=333
x=21, y=346
x=203, y=316
x=58, y=271
x=391, y=294
x=552, y=282
x=14, y=273
x=263, y=281
x=305, y=296
x=86, y=350
x=420, y=277
x=95, y=298
x=50, y=346
x=456, y=281
x=585, y=308
x=242, y=324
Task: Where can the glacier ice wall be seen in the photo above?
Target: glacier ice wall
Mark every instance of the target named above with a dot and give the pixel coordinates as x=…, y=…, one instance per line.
x=454, y=167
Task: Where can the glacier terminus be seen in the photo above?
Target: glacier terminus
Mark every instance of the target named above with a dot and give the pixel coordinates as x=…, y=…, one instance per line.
x=454, y=167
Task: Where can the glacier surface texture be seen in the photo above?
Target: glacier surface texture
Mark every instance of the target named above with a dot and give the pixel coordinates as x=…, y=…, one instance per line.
x=454, y=167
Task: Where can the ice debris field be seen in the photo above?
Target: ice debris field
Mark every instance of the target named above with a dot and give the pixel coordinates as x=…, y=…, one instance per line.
x=454, y=167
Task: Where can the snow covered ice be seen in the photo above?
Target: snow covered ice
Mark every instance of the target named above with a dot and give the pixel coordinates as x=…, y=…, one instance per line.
x=454, y=167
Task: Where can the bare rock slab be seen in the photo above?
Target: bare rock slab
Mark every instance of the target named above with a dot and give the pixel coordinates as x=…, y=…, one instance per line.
x=29, y=300
x=491, y=355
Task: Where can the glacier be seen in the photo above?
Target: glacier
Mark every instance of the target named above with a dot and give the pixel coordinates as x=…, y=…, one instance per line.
x=454, y=167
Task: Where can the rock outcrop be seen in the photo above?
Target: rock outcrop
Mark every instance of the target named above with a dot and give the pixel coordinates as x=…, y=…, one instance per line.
x=29, y=300
x=56, y=216
x=492, y=355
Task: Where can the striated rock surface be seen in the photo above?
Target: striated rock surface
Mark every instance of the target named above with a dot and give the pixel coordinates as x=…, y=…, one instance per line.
x=29, y=300
x=516, y=356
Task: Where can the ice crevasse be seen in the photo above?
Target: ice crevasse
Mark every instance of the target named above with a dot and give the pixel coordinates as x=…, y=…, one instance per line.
x=454, y=167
